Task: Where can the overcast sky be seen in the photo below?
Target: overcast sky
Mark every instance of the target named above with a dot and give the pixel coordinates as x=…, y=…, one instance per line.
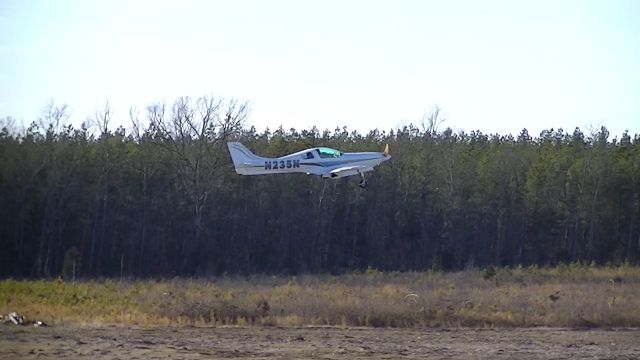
x=494, y=66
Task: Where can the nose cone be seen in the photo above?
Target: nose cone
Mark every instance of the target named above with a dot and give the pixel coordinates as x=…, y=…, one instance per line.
x=385, y=154
x=383, y=157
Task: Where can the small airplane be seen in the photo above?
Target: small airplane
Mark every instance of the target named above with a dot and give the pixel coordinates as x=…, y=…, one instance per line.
x=326, y=162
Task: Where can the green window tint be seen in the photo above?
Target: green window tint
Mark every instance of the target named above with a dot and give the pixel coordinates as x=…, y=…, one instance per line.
x=328, y=152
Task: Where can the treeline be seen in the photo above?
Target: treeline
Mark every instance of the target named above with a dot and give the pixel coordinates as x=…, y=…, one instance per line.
x=162, y=199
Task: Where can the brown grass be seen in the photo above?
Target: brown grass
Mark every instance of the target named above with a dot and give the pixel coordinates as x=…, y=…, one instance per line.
x=564, y=296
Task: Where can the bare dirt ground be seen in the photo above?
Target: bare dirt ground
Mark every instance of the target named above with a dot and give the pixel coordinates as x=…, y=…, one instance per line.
x=114, y=342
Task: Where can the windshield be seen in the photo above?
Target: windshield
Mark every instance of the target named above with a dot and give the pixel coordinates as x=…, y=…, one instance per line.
x=328, y=152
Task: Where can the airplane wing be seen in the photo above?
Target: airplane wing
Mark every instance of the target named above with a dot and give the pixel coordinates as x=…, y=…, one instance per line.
x=348, y=171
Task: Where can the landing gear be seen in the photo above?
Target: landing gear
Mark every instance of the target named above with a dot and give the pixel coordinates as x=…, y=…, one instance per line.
x=363, y=182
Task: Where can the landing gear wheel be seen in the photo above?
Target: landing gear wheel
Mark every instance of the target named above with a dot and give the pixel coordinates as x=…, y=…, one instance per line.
x=363, y=182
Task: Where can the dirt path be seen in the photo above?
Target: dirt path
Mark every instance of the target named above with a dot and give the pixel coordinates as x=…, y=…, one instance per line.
x=96, y=343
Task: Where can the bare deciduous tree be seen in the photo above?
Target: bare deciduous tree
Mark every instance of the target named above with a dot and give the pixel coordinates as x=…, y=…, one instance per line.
x=430, y=122
x=192, y=133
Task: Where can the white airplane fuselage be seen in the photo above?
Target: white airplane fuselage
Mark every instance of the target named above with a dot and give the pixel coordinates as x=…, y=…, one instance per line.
x=325, y=162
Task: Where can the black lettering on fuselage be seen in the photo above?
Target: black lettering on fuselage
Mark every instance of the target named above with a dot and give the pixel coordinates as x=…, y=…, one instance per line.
x=281, y=164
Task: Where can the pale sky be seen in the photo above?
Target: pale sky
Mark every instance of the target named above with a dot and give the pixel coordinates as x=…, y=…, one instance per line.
x=494, y=66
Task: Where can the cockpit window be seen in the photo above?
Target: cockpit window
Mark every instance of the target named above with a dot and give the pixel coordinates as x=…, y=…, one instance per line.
x=328, y=152
x=308, y=155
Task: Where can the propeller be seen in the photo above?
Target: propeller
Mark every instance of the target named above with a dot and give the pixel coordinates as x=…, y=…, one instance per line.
x=386, y=150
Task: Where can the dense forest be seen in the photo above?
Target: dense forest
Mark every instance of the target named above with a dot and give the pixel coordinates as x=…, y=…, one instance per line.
x=161, y=198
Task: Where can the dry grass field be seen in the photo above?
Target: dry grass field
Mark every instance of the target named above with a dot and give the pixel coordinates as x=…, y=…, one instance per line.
x=573, y=295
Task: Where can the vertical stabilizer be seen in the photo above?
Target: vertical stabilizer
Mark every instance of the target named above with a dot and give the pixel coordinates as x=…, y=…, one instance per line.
x=242, y=157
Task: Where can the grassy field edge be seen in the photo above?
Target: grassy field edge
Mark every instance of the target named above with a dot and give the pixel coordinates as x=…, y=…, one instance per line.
x=573, y=295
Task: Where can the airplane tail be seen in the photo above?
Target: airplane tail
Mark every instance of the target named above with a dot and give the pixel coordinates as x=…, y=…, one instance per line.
x=242, y=157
